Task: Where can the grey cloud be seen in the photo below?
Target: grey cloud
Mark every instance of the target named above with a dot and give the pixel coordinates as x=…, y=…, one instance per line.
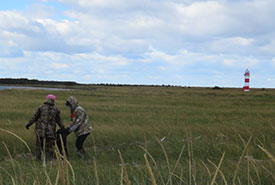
x=167, y=25
x=104, y=40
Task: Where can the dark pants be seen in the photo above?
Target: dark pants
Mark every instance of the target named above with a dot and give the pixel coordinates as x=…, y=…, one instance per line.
x=49, y=151
x=61, y=141
x=79, y=143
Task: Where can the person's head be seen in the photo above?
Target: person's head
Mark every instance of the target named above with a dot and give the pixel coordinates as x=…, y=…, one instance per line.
x=50, y=99
x=71, y=102
x=51, y=96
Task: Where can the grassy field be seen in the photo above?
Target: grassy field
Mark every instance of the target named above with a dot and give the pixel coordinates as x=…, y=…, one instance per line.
x=148, y=135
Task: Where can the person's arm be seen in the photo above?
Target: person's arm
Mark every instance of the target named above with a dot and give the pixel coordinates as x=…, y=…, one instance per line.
x=58, y=120
x=34, y=118
x=78, y=119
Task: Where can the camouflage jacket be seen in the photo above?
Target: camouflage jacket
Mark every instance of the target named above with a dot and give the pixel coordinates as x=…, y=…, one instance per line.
x=80, y=121
x=45, y=118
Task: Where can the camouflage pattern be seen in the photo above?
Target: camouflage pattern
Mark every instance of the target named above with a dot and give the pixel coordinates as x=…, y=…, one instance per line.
x=80, y=123
x=39, y=147
x=49, y=150
x=45, y=118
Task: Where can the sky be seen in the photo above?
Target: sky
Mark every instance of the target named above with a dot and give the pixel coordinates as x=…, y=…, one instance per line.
x=149, y=42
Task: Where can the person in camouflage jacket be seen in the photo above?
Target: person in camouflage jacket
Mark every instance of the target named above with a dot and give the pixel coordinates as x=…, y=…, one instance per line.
x=80, y=123
x=45, y=118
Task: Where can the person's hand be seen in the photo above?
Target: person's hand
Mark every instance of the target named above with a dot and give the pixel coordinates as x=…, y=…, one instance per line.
x=27, y=125
x=67, y=131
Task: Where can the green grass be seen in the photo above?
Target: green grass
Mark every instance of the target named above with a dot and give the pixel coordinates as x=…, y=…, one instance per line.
x=199, y=126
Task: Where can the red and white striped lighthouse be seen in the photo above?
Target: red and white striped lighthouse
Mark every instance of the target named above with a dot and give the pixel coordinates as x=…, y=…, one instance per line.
x=246, y=80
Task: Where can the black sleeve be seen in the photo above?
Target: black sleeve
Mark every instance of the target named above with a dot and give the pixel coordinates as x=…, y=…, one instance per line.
x=58, y=120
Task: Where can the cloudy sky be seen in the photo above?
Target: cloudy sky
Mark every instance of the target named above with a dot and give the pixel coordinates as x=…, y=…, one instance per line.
x=176, y=42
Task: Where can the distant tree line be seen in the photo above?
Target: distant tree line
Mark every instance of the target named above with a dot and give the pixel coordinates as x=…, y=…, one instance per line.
x=139, y=85
x=25, y=81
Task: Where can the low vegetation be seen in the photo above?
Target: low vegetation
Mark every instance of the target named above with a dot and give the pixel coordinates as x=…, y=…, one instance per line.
x=147, y=135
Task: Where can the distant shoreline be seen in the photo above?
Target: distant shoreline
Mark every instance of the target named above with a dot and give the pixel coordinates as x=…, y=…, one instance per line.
x=35, y=82
x=73, y=85
x=31, y=88
x=25, y=81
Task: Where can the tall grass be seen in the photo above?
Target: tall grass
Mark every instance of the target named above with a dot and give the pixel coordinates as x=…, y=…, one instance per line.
x=62, y=176
x=148, y=135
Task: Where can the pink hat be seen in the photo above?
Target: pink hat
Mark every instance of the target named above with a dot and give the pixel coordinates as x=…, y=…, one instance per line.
x=51, y=96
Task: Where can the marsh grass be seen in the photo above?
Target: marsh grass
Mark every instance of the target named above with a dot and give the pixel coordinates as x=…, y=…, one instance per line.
x=148, y=135
x=57, y=172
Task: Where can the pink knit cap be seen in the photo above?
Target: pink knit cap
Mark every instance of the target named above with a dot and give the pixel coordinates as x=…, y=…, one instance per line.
x=51, y=96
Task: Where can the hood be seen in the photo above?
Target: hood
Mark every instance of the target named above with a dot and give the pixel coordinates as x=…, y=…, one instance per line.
x=73, y=101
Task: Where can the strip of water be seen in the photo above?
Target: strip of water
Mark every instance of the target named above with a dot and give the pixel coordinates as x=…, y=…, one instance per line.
x=34, y=88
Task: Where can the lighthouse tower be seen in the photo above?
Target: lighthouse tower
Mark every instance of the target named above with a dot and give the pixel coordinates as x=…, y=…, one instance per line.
x=246, y=80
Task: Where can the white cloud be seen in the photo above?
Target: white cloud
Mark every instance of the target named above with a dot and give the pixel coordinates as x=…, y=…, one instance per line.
x=270, y=47
x=243, y=62
x=241, y=41
x=59, y=65
x=118, y=39
x=202, y=18
x=229, y=62
x=169, y=26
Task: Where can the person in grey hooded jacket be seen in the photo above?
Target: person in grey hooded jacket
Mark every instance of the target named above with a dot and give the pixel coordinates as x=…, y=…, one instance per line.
x=80, y=123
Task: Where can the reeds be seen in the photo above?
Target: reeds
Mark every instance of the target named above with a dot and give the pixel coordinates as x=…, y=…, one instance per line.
x=65, y=175
x=207, y=138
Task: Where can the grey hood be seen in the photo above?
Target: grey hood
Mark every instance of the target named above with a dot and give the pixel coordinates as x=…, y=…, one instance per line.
x=73, y=101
